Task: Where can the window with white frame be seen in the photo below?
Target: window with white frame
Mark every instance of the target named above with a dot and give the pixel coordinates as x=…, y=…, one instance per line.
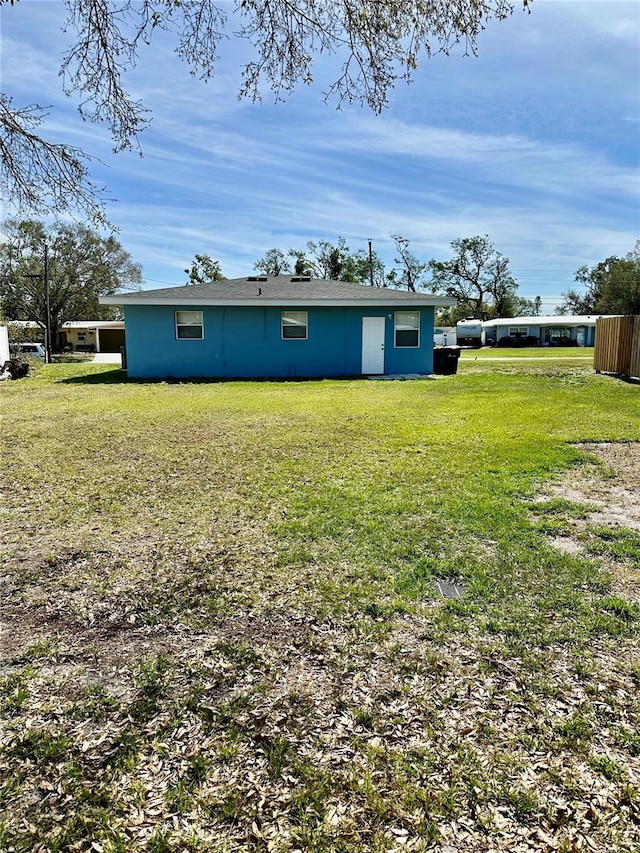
x=189, y=325
x=407, y=328
x=295, y=325
x=518, y=331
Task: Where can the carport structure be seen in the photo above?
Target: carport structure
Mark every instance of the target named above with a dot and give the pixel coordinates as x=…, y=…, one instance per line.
x=92, y=335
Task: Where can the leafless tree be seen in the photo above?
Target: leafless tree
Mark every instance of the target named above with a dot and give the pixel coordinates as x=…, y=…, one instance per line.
x=411, y=269
x=475, y=273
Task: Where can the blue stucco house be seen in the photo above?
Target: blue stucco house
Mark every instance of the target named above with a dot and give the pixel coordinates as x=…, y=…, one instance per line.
x=263, y=327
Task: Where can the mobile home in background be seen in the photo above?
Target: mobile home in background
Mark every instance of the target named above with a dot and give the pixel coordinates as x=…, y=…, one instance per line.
x=470, y=333
x=571, y=330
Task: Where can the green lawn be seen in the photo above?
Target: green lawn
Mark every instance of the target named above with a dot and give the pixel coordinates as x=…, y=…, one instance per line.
x=225, y=634
x=553, y=353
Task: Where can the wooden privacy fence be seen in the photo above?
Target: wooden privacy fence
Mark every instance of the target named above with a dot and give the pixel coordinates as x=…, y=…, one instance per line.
x=617, y=346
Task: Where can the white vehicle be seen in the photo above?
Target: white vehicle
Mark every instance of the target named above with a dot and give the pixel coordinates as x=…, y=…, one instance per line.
x=469, y=333
x=31, y=350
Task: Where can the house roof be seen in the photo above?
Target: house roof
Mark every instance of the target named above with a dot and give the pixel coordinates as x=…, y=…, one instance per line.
x=281, y=290
x=553, y=320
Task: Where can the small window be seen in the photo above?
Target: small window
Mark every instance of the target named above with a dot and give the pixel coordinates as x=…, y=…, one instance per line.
x=560, y=335
x=294, y=324
x=407, y=328
x=189, y=325
x=518, y=331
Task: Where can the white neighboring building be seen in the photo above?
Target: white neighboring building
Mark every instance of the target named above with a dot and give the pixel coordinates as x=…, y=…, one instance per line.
x=557, y=330
x=5, y=354
x=444, y=336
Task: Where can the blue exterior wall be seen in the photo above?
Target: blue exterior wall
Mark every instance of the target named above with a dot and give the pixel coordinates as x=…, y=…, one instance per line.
x=245, y=342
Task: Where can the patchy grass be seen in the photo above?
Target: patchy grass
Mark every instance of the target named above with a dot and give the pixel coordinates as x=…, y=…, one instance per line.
x=224, y=631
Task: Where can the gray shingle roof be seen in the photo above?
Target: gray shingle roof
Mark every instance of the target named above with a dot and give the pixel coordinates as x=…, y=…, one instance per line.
x=276, y=290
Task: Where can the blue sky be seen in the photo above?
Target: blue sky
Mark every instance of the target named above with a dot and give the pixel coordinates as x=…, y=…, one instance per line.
x=536, y=142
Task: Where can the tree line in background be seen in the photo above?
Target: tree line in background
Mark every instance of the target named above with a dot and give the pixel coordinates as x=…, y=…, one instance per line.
x=477, y=276
x=71, y=266
x=51, y=275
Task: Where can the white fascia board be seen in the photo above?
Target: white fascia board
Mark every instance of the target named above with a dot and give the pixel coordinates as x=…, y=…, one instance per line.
x=554, y=320
x=431, y=302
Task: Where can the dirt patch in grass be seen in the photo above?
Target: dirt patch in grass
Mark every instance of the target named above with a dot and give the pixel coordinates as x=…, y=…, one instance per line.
x=617, y=496
x=601, y=504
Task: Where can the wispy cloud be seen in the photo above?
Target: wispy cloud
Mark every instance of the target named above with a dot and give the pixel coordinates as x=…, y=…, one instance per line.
x=503, y=160
x=535, y=143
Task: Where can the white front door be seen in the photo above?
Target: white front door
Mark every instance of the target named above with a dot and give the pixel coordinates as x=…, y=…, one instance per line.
x=373, y=344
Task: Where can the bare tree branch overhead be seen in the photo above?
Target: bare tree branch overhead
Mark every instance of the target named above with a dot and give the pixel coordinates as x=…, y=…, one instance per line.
x=41, y=176
x=375, y=44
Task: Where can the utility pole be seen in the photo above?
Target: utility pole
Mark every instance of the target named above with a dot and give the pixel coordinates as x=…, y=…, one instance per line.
x=371, y=264
x=47, y=307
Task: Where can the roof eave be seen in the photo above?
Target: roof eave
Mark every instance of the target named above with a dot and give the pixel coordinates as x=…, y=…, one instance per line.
x=554, y=320
x=423, y=301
